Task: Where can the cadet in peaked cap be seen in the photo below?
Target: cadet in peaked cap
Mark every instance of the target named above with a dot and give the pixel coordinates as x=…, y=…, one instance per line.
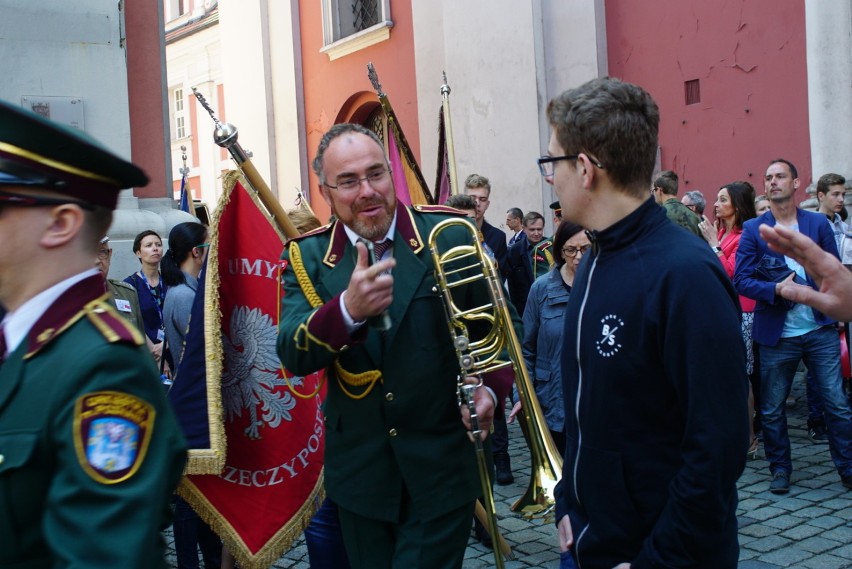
x=38, y=153
x=90, y=452
x=556, y=207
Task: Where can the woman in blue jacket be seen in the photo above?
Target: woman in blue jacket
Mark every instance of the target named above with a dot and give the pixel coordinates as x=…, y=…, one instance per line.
x=544, y=318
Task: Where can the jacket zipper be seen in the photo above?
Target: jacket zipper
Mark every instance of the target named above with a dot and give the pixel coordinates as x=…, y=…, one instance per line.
x=592, y=237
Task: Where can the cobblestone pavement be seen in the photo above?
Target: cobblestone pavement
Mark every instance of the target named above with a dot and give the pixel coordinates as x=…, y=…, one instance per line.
x=810, y=528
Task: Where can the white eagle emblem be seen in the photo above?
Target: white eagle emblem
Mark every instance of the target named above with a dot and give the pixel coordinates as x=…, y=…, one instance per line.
x=252, y=372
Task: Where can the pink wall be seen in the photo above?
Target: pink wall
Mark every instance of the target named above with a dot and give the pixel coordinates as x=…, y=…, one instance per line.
x=331, y=88
x=749, y=57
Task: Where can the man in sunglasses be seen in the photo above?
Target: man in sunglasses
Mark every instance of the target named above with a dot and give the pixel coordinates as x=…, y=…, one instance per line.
x=89, y=449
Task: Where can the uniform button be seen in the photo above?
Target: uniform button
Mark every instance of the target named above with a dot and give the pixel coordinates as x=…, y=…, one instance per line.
x=392, y=432
x=389, y=396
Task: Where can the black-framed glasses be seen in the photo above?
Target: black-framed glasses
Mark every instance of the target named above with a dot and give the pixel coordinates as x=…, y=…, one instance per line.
x=546, y=163
x=352, y=184
x=18, y=200
x=694, y=208
x=103, y=254
x=572, y=251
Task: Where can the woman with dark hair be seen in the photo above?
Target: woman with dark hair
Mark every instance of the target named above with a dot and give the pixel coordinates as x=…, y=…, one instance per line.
x=180, y=268
x=734, y=206
x=148, y=247
x=544, y=318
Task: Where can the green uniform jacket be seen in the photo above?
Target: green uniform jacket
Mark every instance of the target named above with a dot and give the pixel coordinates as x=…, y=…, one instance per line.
x=90, y=452
x=126, y=302
x=682, y=215
x=406, y=432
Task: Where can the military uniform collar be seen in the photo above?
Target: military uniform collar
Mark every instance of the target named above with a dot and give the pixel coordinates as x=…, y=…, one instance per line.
x=406, y=231
x=47, y=313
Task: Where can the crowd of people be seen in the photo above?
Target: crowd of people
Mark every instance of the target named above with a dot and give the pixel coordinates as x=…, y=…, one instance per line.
x=653, y=411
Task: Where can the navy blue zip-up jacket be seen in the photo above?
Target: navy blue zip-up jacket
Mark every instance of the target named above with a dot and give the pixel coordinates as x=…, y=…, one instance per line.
x=655, y=400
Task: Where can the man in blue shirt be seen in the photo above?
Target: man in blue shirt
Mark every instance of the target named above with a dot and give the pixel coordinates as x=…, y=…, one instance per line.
x=789, y=332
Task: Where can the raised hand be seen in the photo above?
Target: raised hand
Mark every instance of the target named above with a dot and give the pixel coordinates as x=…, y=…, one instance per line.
x=370, y=289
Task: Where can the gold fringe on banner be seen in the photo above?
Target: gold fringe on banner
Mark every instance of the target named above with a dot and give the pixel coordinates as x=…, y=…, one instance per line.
x=275, y=547
x=212, y=460
x=286, y=535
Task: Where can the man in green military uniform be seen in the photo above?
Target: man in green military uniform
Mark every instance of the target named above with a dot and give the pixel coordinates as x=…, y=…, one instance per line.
x=398, y=462
x=664, y=191
x=89, y=450
x=124, y=295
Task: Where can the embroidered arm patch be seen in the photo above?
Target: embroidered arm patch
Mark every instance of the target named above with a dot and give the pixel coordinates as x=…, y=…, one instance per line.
x=112, y=431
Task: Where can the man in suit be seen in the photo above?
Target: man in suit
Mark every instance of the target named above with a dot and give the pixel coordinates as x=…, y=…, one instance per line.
x=530, y=257
x=514, y=221
x=789, y=332
x=479, y=188
x=398, y=463
x=90, y=452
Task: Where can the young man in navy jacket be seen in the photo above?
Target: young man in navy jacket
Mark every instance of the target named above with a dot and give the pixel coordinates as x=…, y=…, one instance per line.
x=655, y=400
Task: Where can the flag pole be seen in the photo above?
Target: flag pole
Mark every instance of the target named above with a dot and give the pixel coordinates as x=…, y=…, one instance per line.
x=302, y=202
x=393, y=123
x=448, y=130
x=225, y=136
x=185, y=188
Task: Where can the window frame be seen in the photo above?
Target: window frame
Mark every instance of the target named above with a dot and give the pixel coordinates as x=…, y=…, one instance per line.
x=337, y=48
x=178, y=104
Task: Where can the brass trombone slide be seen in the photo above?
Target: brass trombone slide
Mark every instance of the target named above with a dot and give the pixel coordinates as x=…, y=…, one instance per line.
x=461, y=266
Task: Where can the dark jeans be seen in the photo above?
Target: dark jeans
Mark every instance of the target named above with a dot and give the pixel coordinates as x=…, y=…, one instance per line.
x=324, y=539
x=500, y=436
x=566, y=560
x=754, y=380
x=820, y=351
x=816, y=412
x=192, y=533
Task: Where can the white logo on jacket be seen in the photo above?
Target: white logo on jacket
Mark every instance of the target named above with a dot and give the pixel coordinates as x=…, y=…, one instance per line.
x=608, y=345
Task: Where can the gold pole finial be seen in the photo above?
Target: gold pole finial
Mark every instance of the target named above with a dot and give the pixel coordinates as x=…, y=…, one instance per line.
x=448, y=133
x=225, y=135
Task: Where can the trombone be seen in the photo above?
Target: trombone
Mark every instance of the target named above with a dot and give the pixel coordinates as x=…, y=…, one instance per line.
x=462, y=266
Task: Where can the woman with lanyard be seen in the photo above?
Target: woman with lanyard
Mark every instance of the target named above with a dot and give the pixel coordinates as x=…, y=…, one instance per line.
x=544, y=319
x=148, y=247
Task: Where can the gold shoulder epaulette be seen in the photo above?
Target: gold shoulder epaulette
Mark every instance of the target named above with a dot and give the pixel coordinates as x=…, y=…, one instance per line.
x=121, y=284
x=103, y=315
x=437, y=209
x=317, y=231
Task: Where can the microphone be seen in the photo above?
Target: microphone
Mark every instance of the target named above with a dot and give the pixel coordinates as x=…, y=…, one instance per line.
x=381, y=322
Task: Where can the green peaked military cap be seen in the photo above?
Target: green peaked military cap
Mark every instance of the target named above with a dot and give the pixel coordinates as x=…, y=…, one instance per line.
x=39, y=153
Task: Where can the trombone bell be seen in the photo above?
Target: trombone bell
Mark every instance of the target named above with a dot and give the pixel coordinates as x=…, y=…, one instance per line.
x=485, y=341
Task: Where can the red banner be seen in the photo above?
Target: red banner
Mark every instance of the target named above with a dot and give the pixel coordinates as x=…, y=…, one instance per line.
x=272, y=479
